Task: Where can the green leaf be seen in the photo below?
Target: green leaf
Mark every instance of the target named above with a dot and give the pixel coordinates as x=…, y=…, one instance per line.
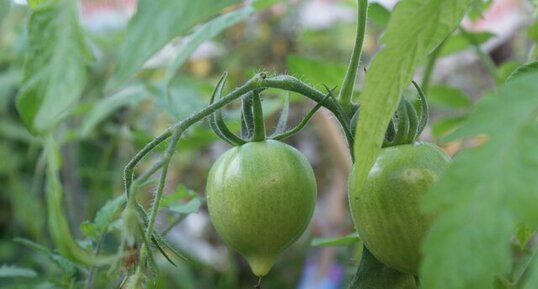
x=54, y=70
x=415, y=29
x=189, y=207
x=205, y=32
x=532, y=279
x=8, y=271
x=154, y=25
x=65, y=265
x=523, y=234
x=458, y=43
x=373, y=274
x=478, y=8
x=129, y=96
x=316, y=72
x=378, y=14
x=486, y=192
x=336, y=242
x=448, y=97
x=109, y=213
x=443, y=127
x=532, y=33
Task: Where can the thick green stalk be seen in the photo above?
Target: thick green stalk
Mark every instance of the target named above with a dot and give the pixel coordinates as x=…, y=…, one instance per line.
x=351, y=75
x=257, y=110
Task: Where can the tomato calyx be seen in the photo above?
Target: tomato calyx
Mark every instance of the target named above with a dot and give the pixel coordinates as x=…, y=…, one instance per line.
x=252, y=120
x=408, y=121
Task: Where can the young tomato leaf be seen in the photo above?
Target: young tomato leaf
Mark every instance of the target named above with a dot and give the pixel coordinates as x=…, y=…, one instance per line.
x=415, y=29
x=54, y=69
x=487, y=191
x=155, y=24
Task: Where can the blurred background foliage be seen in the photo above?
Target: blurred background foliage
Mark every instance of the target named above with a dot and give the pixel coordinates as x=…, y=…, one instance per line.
x=310, y=39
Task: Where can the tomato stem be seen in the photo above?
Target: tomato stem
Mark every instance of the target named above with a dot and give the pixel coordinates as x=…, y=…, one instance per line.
x=257, y=111
x=348, y=84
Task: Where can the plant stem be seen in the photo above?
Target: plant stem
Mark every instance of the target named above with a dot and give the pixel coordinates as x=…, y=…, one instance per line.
x=348, y=84
x=129, y=168
x=162, y=182
x=430, y=65
x=291, y=83
x=257, y=110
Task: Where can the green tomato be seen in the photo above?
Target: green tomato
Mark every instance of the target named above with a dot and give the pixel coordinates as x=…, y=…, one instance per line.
x=261, y=197
x=386, y=209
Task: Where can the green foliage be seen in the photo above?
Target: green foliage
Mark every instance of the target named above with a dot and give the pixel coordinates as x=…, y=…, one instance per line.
x=204, y=33
x=448, y=97
x=154, y=25
x=459, y=42
x=413, y=32
x=7, y=271
x=315, y=71
x=486, y=192
x=54, y=71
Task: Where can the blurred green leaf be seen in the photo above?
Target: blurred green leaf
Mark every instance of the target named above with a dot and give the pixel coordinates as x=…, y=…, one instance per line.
x=204, y=33
x=154, y=25
x=336, y=242
x=105, y=216
x=523, y=234
x=183, y=201
x=9, y=271
x=448, y=97
x=478, y=8
x=189, y=207
x=5, y=6
x=523, y=70
x=54, y=70
x=458, y=42
x=413, y=33
x=506, y=69
x=11, y=130
x=532, y=33
x=129, y=96
x=486, y=192
x=316, y=72
x=89, y=230
x=441, y=128
x=378, y=14
x=65, y=265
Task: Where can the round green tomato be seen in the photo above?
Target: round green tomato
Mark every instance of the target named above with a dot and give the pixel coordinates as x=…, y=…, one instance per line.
x=386, y=209
x=261, y=197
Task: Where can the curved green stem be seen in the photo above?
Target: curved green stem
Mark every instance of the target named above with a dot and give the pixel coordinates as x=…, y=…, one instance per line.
x=351, y=75
x=247, y=120
x=302, y=124
x=290, y=83
x=128, y=172
x=257, y=110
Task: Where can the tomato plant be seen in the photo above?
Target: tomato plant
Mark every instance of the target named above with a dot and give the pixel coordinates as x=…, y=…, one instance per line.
x=87, y=120
x=386, y=208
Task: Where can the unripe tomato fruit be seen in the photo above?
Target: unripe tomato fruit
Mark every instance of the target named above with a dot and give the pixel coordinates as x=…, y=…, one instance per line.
x=261, y=197
x=386, y=209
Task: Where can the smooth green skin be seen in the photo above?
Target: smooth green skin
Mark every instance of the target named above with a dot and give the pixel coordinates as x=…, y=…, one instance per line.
x=261, y=197
x=386, y=210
